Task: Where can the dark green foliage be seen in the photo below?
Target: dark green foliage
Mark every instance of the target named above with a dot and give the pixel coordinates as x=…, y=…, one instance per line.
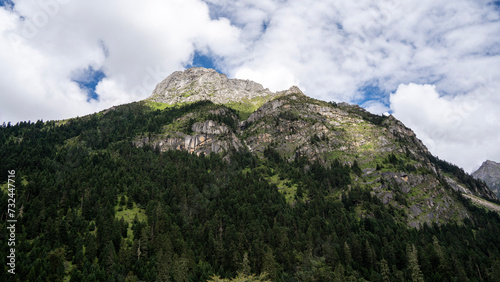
x=271, y=154
x=356, y=169
x=123, y=201
x=333, y=104
x=289, y=115
x=314, y=139
x=55, y=262
x=375, y=119
x=399, y=164
x=130, y=204
x=392, y=159
x=225, y=119
x=207, y=216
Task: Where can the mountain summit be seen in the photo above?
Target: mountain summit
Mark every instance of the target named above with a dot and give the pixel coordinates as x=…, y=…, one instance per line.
x=489, y=172
x=197, y=84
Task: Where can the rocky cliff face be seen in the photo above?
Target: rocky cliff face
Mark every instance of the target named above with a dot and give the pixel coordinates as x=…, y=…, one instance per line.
x=203, y=136
x=393, y=163
x=489, y=172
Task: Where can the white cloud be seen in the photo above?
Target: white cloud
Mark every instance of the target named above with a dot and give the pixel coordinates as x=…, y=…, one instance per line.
x=464, y=129
x=375, y=107
x=274, y=77
x=45, y=44
x=334, y=47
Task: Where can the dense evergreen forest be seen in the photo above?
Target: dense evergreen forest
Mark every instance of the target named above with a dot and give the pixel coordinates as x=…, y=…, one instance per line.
x=93, y=207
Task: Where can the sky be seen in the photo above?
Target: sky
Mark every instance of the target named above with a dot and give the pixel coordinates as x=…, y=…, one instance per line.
x=433, y=64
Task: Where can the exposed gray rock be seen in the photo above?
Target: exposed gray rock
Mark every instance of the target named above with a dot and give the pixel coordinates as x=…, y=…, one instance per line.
x=210, y=127
x=456, y=186
x=196, y=84
x=489, y=172
x=414, y=224
x=386, y=197
x=415, y=210
x=265, y=110
x=210, y=137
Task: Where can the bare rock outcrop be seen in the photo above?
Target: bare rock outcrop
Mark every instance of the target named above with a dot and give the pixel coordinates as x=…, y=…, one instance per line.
x=208, y=137
x=196, y=84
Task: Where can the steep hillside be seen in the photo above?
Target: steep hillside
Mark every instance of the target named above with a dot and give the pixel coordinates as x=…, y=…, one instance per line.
x=392, y=162
x=489, y=172
x=262, y=184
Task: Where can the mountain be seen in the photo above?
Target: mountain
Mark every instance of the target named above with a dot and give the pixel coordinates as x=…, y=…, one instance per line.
x=295, y=126
x=489, y=172
x=213, y=177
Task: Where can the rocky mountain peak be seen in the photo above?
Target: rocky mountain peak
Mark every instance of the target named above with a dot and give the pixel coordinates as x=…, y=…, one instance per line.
x=489, y=172
x=196, y=84
x=488, y=163
x=292, y=90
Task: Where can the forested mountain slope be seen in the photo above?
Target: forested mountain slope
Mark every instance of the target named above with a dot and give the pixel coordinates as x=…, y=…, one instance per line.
x=282, y=184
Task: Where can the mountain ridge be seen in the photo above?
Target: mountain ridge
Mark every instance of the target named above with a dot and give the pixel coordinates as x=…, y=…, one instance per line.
x=392, y=159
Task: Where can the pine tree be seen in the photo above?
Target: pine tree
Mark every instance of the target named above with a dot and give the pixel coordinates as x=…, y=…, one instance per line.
x=108, y=256
x=78, y=259
x=369, y=257
x=269, y=264
x=165, y=255
x=180, y=268
x=356, y=169
x=163, y=267
x=347, y=254
x=56, y=260
x=123, y=227
x=416, y=273
x=123, y=200
x=91, y=248
x=444, y=267
x=245, y=265
x=339, y=273
x=385, y=271
x=495, y=271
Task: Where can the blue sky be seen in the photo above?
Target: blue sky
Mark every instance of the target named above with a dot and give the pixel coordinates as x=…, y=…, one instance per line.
x=203, y=60
x=5, y=2
x=88, y=80
x=434, y=64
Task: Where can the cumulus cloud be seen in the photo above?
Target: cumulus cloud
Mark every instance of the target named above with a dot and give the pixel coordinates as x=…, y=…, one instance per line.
x=332, y=48
x=464, y=129
x=375, y=107
x=46, y=45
